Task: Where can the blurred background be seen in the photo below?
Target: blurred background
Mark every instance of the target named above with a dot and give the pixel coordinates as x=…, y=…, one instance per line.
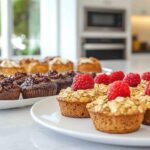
x=106, y=29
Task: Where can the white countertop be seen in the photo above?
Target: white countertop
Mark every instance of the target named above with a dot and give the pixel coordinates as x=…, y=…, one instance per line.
x=19, y=132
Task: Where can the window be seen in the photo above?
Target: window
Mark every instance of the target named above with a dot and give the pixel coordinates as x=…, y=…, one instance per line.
x=26, y=27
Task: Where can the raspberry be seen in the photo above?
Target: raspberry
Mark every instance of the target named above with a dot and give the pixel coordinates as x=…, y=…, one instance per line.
x=147, y=89
x=133, y=79
x=146, y=76
x=82, y=81
x=118, y=88
x=102, y=78
x=116, y=76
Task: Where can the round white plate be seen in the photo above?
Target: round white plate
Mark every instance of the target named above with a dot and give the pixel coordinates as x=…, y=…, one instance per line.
x=7, y=104
x=47, y=114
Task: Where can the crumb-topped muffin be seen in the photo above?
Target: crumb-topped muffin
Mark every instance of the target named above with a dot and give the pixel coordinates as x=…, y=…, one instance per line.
x=9, y=90
x=38, y=85
x=118, y=112
x=20, y=77
x=89, y=65
x=61, y=65
x=9, y=67
x=73, y=100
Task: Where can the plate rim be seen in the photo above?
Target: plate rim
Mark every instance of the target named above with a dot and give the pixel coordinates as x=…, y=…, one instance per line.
x=89, y=137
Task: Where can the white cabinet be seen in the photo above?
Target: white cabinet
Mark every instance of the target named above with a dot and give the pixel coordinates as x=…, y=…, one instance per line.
x=141, y=7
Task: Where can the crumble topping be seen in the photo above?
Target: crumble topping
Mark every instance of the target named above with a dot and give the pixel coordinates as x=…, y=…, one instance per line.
x=77, y=96
x=9, y=64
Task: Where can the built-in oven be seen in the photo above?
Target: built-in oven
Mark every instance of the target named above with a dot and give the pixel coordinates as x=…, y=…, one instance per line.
x=97, y=19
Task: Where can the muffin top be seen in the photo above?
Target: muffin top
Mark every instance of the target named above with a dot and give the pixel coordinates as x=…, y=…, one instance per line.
x=70, y=95
x=28, y=61
x=9, y=64
x=19, y=75
x=102, y=88
x=89, y=60
x=49, y=58
x=2, y=77
x=8, y=84
x=118, y=106
x=36, y=79
x=59, y=60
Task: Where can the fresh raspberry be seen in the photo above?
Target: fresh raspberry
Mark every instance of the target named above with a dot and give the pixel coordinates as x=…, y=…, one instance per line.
x=102, y=78
x=146, y=76
x=133, y=79
x=118, y=88
x=82, y=81
x=116, y=76
x=147, y=89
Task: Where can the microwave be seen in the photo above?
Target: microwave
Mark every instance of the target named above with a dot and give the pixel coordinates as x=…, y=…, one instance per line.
x=97, y=19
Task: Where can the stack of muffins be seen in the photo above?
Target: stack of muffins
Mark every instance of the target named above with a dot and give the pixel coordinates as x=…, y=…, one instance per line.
x=37, y=78
x=116, y=103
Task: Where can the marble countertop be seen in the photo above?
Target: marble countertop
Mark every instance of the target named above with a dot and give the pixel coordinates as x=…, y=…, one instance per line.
x=19, y=132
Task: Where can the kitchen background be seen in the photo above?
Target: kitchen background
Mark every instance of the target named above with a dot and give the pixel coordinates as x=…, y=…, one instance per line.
x=106, y=29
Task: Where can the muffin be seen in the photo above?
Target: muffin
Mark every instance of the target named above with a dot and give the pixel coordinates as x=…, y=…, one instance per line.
x=118, y=112
x=60, y=65
x=19, y=77
x=9, y=90
x=38, y=67
x=89, y=65
x=63, y=80
x=9, y=67
x=73, y=100
x=38, y=85
x=101, y=83
x=134, y=80
x=25, y=63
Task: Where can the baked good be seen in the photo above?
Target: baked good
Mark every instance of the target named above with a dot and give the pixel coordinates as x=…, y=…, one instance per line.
x=117, y=112
x=26, y=62
x=9, y=90
x=20, y=77
x=73, y=100
x=61, y=65
x=63, y=80
x=9, y=67
x=89, y=65
x=38, y=85
x=38, y=67
x=101, y=83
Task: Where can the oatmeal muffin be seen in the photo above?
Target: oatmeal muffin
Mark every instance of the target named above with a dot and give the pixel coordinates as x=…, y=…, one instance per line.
x=89, y=65
x=101, y=83
x=73, y=100
x=61, y=65
x=9, y=67
x=134, y=80
x=9, y=90
x=118, y=112
x=38, y=85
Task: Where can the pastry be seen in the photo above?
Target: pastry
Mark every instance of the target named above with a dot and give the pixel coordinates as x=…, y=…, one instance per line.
x=25, y=63
x=118, y=112
x=73, y=100
x=38, y=85
x=9, y=90
x=60, y=65
x=89, y=65
x=9, y=67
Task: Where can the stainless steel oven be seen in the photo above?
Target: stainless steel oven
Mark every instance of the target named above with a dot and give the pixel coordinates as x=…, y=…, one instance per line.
x=104, y=19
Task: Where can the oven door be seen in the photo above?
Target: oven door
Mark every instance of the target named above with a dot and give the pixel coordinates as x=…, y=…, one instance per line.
x=104, y=19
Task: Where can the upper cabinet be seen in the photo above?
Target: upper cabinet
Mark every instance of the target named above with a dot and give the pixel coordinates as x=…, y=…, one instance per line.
x=141, y=7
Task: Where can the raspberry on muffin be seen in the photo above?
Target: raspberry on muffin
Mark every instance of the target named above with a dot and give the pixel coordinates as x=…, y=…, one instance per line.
x=73, y=100
x=118, y=112
x=116, y=76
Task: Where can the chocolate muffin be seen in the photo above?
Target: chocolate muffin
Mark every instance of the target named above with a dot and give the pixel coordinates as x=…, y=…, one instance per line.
x=2, y=77
x=20, y=77
x=9, y=90
x=38, y=85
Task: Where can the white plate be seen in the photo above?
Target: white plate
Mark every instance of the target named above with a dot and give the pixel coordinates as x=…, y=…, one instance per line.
x=47, y=114
x=7, y=104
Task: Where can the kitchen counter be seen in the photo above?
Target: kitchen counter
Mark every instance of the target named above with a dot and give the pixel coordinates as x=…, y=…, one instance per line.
x=19, y=132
